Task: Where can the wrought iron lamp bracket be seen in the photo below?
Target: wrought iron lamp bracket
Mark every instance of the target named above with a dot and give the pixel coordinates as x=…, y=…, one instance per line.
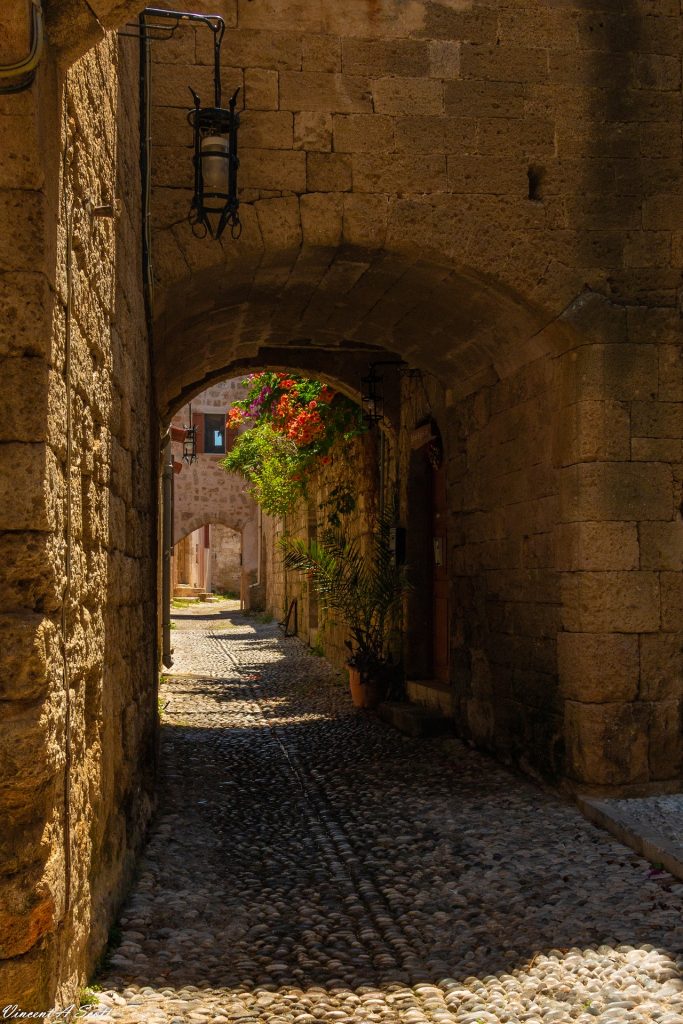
x=215, y=204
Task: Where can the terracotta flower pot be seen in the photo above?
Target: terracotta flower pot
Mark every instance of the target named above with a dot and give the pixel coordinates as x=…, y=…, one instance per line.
x=365, y=693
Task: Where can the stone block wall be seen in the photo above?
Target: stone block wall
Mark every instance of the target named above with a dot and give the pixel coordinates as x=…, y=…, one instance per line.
x=619, y=549
x=531, y=142
x=354, y=466
x=566, y=519
x=226, y=559
x=203, y=492
x=77, y=518
x=507, y=600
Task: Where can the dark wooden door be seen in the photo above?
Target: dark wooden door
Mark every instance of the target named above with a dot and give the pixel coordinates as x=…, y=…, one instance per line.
x=441, y=639
x=181, y=552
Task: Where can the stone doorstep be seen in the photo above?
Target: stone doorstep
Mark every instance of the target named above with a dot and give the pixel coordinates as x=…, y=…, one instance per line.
x=654, y=848
x=182, y=592
x=413, y=719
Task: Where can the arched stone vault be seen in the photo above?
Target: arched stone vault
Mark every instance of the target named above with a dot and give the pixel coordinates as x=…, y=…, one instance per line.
x=235, y=523
x=333, y=311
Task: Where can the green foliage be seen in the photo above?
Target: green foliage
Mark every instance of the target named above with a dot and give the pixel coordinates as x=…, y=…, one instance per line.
x=293, y=424
x=340, y=502
x=272, y=465
x=88, y=996
x=364, y=590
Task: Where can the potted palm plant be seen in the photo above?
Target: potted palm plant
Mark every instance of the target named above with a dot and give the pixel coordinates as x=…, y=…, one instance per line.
x=364, y=590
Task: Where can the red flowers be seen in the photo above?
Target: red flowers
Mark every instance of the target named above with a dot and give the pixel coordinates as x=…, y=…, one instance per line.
x=301, y=409
x=293, y=423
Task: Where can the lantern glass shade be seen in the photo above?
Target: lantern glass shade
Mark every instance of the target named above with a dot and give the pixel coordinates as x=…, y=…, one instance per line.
x=215, y=165
x=215, y=203
x=372, y=400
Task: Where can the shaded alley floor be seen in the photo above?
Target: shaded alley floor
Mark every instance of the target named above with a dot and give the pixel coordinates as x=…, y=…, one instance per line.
x=309, y=864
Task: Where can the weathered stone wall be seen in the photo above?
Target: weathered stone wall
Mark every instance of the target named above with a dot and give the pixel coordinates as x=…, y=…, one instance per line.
x=619, y=548
x=77, y=521
x=531, y=143
x=506, y=599
x=226, y=559
x=203, y=492
x=565, y=547
x=353, y=465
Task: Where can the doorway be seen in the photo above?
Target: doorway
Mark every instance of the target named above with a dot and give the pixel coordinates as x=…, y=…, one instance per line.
x=427, y=627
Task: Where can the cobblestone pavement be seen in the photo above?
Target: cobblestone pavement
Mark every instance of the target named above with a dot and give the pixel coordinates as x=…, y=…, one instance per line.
x=308, y=864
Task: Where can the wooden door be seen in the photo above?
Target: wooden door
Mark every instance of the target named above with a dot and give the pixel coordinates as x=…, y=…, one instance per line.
x=440, y=607
x=183, y=566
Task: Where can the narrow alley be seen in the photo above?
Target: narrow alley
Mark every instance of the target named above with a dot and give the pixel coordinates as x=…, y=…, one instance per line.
x=310, y=864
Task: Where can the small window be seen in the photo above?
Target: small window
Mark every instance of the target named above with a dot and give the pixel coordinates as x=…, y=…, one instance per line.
x=214, y=434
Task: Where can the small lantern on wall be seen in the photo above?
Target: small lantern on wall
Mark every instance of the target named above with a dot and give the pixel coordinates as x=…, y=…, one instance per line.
x=372, y=390
x=190, y=442
x=372, y=398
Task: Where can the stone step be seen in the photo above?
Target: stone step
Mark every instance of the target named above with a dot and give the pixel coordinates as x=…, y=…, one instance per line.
x=183, y=591
x=414, y=720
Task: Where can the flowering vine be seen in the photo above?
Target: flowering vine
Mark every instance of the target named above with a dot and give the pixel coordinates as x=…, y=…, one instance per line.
x=292, y=424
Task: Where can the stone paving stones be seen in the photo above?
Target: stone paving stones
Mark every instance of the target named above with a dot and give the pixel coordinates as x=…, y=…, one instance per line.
x=660, y=816
x=309, y=865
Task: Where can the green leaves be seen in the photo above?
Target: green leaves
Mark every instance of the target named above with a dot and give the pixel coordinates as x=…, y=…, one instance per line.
x=365, y=590
x=294, y=423
x=271, y=465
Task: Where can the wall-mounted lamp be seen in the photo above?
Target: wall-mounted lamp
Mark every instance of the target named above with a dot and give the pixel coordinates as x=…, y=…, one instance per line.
x=214, y=204
x=372, y=393
x=372, y=397
x=190, y=442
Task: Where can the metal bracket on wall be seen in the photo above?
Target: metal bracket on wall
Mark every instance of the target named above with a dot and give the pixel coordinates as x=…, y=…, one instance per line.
x=293, y=612
x=25, y=69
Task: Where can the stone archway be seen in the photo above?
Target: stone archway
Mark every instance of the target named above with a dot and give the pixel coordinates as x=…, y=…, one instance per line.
x=226, y=562
x=490, y=365
x=527, y=442
x=334, y=310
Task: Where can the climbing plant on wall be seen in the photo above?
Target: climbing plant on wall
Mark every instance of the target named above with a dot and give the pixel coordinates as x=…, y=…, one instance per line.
x=292, y=424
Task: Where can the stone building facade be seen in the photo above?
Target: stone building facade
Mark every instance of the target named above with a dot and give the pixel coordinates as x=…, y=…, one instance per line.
x=215, y=520
x=226, y=560
x=490, y=192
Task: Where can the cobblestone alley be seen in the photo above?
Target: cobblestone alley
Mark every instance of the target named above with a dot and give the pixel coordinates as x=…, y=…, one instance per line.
x=309, y=864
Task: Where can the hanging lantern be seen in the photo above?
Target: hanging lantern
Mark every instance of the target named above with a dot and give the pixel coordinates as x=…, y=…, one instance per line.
x=215, y=204
x=372, y=398
x=190, y=442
